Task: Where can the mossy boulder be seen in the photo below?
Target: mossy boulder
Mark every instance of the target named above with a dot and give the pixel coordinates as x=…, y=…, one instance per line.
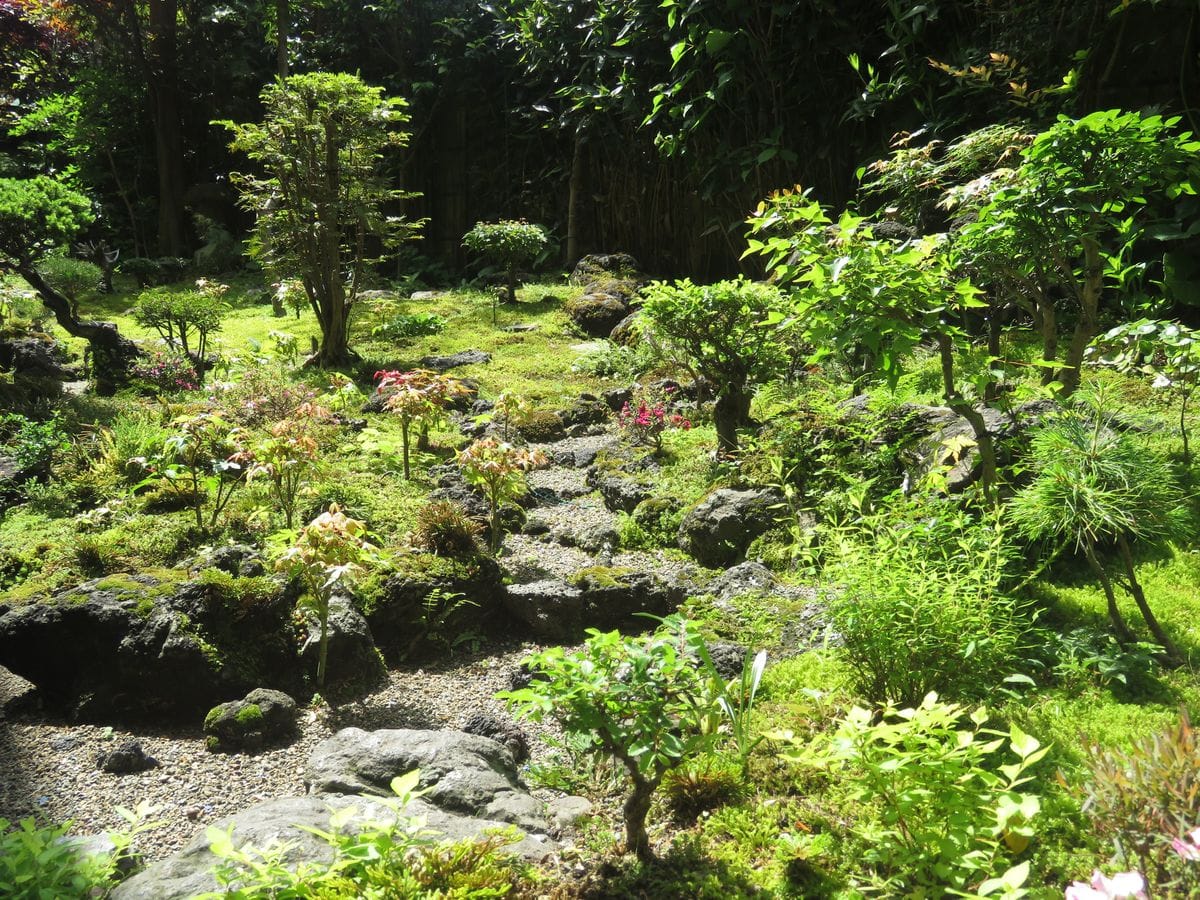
x=597, y=314
x=150, y=645
x=262, y=718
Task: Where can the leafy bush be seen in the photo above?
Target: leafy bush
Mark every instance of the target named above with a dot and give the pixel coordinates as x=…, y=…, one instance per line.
x=647, y=702
x=419, y=397
x=33, y=444
x=444, y=528
x=182, y=318
x=409, y=326
x=204, y=459
x=499, y=469
x=146, y=272
x=44, y=863
x=937, y=812
x=287, y=457
x=1142, y=798
x=722, y=332
x=920, y=602
x=507, y=244
x=327, y=552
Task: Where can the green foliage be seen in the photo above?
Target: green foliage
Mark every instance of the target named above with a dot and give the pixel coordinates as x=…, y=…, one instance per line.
x=419, y=397
x=288, y=457
x=321, y=146
x=499, y=469
x=1068, y=218
x=44, y=863
x=647, y=702
x=184, y=319
x=37, y=215
x=724, y=333
x=1168, y=351
x=920, y=602
x=204, y=459
x=73, y=278
x=507, y=244
x=409, y=326
x=33, y=445
x=1142, y=797
x=377, y=852
x=938, y=812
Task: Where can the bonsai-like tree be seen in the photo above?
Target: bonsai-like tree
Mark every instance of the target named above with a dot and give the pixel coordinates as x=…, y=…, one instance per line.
x=418, y=398
x=722, y=331
x=1094, y=485
x=38, y=215
x=647, y=702
x=322, y=197
x=507, y=244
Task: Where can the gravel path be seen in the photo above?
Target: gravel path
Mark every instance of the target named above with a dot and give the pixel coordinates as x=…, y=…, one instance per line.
x=48, y=768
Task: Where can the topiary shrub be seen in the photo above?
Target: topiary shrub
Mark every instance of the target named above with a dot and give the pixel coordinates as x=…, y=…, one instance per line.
x=507, y=244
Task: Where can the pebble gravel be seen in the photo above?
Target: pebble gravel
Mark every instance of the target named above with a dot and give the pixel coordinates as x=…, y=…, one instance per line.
x=48, y=768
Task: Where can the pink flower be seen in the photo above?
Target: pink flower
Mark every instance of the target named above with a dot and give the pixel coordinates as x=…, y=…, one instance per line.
x=1120, y=886
x=1189, y=851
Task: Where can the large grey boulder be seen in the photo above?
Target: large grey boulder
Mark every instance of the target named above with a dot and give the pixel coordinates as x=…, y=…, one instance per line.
x=718, y=530
x=473, y=789
x=601, y=597
x=462, y=773
x=455, y=360
x=188, y=873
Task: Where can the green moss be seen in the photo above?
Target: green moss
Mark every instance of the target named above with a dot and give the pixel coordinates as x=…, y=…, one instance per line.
x=211, y=719
x=237, y=593
x=600, y=576
x=249, y=715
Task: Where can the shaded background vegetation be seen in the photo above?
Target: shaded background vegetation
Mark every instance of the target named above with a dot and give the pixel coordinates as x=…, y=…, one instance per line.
x=622, y=124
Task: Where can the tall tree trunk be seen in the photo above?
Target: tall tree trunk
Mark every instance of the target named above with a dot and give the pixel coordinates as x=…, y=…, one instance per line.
x=164, y=91
x=1173, y=656
x=282, y=24
x=1048, y=325
x=112, y=354
x=574, y=201
x=1088, y=325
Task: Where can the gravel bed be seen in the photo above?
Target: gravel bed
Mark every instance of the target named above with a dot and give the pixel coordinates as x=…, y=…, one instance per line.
x=48, y=768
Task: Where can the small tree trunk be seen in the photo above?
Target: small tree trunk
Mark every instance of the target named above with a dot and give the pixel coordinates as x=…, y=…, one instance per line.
x=112, y=354
x=1088, y=325
x=635, y=811
x=1172, y=655
x=991, y=391
x=1048, y=325
x=323, y=647
x=731, y=410
x=988, y=470
x=511, y=285
x=1124, y=634
x=404, y=423
x=282, y=14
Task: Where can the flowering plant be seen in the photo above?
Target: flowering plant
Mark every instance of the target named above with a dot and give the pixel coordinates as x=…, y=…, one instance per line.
x=645, y=417
x=1188, y=846
x=1120, y=886
x=289, y=455
x=162, y=371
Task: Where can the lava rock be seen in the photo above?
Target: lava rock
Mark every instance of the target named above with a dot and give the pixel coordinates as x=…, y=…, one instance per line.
x=500, y=730
x=596, y=265
x=462, y=358
x=127, y=759
x=718, y=531
x=597, y=314
x=260, y=718
x=352, y=658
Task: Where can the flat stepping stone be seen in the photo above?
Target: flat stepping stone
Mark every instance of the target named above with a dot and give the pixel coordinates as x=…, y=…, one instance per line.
x=455, y=360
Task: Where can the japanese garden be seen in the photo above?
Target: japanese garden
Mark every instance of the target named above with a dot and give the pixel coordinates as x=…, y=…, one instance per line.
x=612, y=449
